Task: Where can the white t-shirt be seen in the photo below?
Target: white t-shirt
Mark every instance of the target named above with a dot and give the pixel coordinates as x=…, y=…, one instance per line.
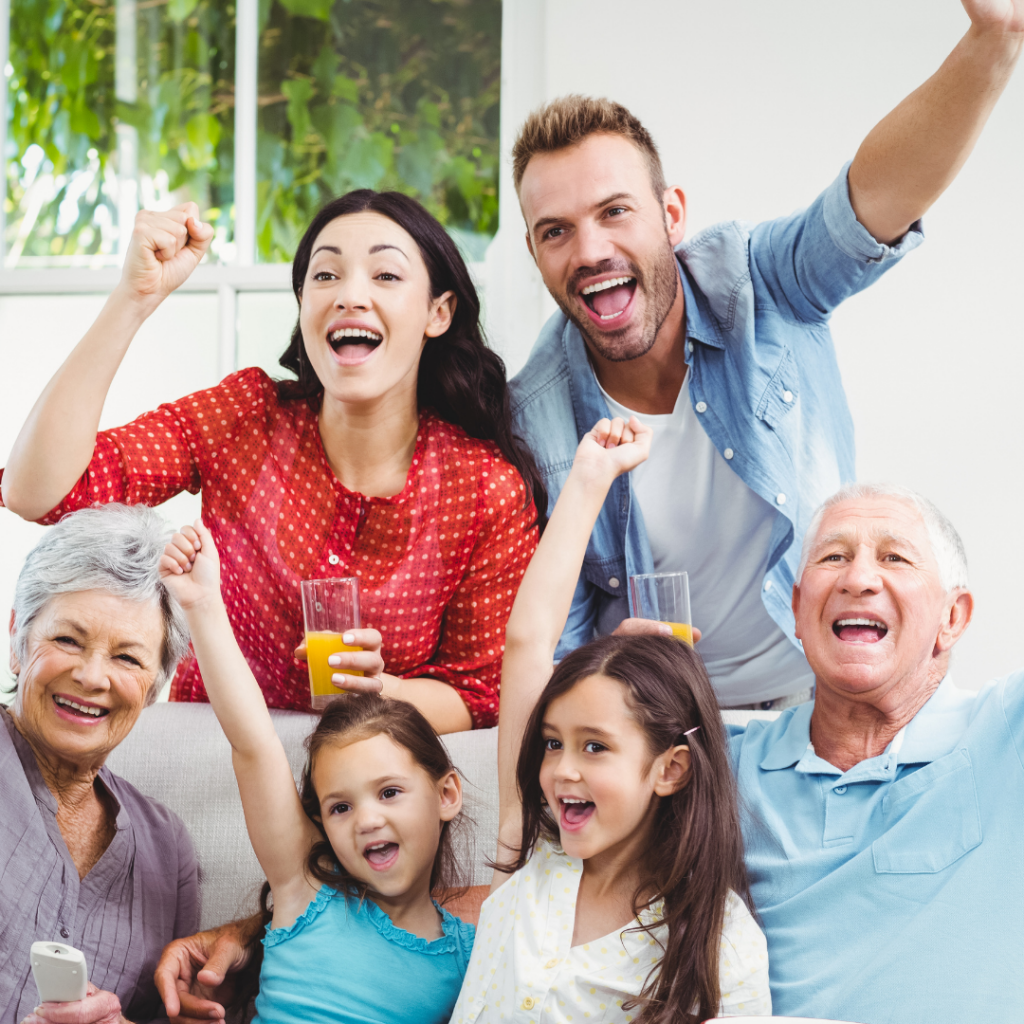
x=525, y=968
x=701, y=518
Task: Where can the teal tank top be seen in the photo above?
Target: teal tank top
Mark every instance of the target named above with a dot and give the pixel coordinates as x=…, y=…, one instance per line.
x=343, y=961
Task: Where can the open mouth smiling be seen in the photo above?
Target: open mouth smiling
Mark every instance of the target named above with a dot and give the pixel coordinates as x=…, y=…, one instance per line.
x=608, y=301
x=859, y=630
x=381, y=856
x=352, y=345
x=574, y=812
x=68, y=708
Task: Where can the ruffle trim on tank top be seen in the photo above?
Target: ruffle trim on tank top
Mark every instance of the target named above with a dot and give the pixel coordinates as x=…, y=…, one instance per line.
x=316, y=906
x=447, y=943
x=400, y=937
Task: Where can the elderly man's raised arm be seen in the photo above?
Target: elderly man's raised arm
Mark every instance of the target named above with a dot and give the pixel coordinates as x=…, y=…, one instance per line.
x=912, y=156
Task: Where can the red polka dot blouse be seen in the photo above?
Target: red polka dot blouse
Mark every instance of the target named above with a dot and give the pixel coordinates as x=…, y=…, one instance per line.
x=439, y=564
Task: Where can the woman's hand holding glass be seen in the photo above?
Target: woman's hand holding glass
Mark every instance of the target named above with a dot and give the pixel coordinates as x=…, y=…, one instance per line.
x=369, y=661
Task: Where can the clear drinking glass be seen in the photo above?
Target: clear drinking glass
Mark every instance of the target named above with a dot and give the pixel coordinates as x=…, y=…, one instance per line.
x=330, y=608
x=664, y=597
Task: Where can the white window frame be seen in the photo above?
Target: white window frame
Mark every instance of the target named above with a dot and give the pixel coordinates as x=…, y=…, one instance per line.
x=517, y=291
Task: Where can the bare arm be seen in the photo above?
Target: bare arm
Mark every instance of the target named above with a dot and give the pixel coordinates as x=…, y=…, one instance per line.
x=56, y=443
x=545, y=595
x=279, y=830
x=912, y=156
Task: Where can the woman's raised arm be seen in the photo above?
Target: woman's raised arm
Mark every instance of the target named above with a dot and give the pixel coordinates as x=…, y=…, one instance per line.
x=56, y=442
x=545, y=595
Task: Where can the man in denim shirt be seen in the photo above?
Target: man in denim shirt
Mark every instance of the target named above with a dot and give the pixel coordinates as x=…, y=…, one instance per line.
x=722, y=345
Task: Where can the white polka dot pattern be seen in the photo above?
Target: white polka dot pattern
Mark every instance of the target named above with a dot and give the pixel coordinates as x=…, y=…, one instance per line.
x=525, y=968
x=439, y=564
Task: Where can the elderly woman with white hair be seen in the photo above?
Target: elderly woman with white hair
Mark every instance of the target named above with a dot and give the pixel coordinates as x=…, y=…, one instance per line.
x=85, y=859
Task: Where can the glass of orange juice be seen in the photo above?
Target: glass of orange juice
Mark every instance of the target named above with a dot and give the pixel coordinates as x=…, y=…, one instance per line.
x=330, y=608
x=664, y=597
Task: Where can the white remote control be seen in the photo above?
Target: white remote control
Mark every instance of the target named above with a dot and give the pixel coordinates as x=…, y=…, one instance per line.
x=60, y=972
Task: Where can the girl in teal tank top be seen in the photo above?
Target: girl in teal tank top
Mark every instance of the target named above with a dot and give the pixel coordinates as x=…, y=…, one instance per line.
x=353, y=861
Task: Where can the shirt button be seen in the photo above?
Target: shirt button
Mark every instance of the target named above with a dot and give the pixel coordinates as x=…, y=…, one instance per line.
x=780, y=499
x=529, y=1002
x=550, y=964
x=787, y=396
x=613, y=581
x=701, y=407
x=64, y=933
x=839, y=790
x=333, y=559
x=689, y=347
x=728, y=453
x=767, y=584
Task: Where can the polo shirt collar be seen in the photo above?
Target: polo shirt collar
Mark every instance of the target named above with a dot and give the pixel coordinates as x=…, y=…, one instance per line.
x=932, y=733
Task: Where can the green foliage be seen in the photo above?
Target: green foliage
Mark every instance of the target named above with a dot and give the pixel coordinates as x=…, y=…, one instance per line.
x=62, y=99
x=396, y=94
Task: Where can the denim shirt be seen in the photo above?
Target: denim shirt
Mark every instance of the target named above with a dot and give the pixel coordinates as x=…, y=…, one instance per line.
x=764, y=382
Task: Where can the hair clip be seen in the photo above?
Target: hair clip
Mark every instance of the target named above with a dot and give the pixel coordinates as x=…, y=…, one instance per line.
x=688, y=731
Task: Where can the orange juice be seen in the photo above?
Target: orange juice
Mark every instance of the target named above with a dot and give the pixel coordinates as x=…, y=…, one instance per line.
x=319, y=646
x=682, y=631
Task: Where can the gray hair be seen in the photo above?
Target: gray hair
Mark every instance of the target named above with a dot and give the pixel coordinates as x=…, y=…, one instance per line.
x=947, y=547
x=115, y=548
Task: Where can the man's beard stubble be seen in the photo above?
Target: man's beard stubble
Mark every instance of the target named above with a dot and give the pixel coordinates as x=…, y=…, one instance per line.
x=635, y=340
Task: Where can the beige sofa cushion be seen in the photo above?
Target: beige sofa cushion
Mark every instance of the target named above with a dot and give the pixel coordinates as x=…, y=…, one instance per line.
x=178, y=755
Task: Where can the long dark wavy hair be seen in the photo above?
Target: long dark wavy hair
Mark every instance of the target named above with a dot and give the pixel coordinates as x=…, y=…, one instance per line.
x=345, y=721
x=460, y=378
x=694, y=855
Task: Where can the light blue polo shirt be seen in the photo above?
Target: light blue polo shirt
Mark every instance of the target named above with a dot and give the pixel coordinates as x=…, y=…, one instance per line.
x=893, y=892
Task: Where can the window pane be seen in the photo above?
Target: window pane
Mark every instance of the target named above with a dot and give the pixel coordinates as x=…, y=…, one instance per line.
x=385, y=94
x=113, y=105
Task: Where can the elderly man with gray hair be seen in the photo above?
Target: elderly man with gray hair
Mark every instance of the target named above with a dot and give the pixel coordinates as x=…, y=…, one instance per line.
x=85, y=859
x=884, y=824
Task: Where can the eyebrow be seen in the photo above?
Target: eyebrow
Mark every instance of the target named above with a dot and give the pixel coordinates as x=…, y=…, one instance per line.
x=373, y=249
x=383, y=780
x=545, y=221
x=589, y=730
x=74, y=627
x=843, y=537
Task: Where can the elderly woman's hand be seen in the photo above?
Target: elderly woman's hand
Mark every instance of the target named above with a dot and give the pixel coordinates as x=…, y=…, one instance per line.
x=97, y=1007
x=190, y=567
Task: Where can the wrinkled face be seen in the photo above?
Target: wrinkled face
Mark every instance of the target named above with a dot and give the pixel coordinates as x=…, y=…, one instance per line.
x=91, y=660
x=366, y=309
x=598, y=776
x=382, y=812
x=601, y=242
x=870, y=608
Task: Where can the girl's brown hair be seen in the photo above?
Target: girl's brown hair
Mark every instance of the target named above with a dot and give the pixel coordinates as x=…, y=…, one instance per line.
x=694, y=856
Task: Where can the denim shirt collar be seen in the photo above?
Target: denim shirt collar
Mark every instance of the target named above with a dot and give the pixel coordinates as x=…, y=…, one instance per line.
x=932, y=733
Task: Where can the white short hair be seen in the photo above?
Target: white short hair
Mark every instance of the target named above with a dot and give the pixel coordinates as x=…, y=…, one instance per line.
x=115, y=548
x=947, y=547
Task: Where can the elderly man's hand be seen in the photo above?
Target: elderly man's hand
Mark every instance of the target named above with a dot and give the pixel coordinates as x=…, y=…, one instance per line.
x=97, y=1007
x=193, y=976
x=647, y=627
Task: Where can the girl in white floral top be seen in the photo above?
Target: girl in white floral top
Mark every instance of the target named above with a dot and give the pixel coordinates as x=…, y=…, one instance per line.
x=619, y=892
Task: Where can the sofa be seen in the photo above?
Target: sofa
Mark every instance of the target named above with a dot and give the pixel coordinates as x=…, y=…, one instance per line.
x=178, y=755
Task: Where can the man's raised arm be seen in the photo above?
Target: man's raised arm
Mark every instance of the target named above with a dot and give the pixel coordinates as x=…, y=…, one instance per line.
x=911, y=157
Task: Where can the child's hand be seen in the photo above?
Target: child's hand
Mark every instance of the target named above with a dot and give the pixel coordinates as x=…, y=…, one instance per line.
x=190, y=567
x=613, y=447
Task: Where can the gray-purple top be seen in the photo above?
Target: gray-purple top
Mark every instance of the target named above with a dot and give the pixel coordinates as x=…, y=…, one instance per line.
x=142, y=893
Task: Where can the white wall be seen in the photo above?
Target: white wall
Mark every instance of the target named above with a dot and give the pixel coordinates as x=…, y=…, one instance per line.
x=755, y=106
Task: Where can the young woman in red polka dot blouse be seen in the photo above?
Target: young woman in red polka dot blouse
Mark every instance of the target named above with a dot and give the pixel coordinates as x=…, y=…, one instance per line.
x=389, y=458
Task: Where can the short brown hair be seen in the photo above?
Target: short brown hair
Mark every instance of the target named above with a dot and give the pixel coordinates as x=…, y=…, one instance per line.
x=569, y=120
